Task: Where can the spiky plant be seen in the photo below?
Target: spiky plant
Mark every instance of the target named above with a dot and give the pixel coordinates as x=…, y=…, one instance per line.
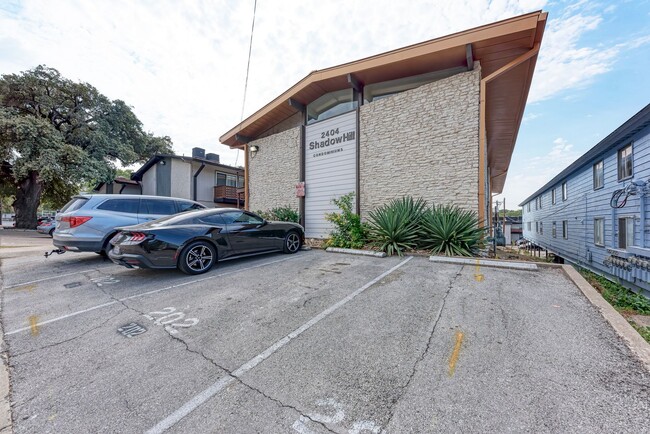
x=394, y=227
x=451, y=231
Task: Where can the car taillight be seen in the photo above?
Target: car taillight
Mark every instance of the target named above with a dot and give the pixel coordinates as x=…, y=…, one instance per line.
x=75, y=221
x=134, y=238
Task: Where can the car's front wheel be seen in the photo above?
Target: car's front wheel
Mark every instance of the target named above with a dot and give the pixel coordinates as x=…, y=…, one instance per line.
x=292, y=242
x=198, y=257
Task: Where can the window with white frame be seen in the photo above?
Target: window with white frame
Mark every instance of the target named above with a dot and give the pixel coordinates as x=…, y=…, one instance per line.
x=541, y=228
x=565, y=229
x=554, y=230
x=553, y=196
x=528, y=206
x=599, y=175
x=599, y=231
x=625, y=163
x=625, y=232
x=565, y=191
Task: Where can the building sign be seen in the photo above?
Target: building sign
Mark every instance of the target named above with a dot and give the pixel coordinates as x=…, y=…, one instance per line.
x=330, y=169
x=300, y=189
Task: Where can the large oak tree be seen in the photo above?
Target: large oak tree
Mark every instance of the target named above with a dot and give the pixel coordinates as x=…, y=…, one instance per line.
x=56, y=135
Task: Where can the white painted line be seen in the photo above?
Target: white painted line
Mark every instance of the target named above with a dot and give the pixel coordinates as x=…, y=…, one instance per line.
x=56, y=277
x=110, y=303
x=220, y=384
x=485, y=262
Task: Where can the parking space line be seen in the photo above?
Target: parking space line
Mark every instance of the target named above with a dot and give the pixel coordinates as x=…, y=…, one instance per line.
x=222, y=383
x=131, y=297
x=455, y=353
x=55, y=277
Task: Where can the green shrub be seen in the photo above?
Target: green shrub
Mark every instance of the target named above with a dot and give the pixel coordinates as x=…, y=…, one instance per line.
x=617, y=295
x=451, y=231
x=280, y=214
x=349, y=232
x=394, y=227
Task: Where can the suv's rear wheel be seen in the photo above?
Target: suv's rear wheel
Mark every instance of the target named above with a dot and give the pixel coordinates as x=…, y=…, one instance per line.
x=196, y=258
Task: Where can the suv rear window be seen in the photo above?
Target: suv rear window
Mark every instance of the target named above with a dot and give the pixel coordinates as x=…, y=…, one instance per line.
x=158, y=206
x=74, y=204
x=120, y=205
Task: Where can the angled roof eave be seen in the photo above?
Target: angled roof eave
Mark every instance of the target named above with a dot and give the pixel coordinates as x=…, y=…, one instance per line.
x=533, y=23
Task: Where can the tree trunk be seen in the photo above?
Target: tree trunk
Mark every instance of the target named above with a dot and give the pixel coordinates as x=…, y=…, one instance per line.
x=28, y=198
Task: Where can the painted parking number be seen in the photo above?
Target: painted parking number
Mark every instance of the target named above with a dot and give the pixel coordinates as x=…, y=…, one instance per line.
x=171, y=319
x=337, y=415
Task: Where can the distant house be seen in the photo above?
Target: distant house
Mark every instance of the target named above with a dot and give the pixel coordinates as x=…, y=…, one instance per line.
x=594, y=213
x=119, y=185
x=199, y=177
x=511, y=228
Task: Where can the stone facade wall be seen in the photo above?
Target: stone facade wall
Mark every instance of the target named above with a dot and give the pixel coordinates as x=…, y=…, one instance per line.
x=275, y=171
x=424, y=143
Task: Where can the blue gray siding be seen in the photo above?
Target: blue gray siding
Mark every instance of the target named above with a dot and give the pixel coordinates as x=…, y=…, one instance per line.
x=584, y=205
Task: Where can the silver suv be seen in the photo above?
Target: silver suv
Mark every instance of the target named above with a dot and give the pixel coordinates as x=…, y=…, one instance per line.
x=88, y=221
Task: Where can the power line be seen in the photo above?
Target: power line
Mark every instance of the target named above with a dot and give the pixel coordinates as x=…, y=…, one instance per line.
x=248, y=67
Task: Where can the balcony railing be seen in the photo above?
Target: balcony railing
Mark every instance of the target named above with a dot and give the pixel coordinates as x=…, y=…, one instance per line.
x=229, y=194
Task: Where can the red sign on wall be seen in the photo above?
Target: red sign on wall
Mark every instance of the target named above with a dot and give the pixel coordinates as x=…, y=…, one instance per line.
x=300, y=189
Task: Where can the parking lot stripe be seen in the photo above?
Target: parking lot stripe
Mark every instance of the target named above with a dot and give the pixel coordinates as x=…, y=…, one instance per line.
x=54, y=277
x=455, y=353
x=131, y=297
x=222, y=383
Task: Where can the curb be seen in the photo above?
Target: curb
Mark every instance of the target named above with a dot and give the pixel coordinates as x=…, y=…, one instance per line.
x=356, y=252
x=6, y=422
x=485, y=263
x=639, y=347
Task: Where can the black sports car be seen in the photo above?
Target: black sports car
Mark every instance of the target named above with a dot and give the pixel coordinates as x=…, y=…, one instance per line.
x=193, y=241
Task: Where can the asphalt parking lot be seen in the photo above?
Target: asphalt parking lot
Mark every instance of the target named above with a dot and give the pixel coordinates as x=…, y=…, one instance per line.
x=309, y=343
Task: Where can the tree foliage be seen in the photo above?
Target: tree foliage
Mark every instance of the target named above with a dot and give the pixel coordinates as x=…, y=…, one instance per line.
x=56, y=135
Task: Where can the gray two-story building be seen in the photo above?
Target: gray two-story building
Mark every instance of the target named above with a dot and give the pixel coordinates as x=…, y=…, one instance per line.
x=595, y=212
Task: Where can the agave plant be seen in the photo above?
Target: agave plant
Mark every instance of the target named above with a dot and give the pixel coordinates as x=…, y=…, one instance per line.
x=450, y=231
x=394, y=227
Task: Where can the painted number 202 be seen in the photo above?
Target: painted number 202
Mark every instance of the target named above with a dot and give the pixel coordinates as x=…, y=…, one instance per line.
x=171, y=319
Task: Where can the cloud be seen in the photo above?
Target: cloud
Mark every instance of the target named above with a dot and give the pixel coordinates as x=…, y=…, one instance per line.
x=564, y=62
x=182, y=65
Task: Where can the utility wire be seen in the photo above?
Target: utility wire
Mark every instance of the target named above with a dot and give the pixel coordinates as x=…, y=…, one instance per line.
x=248, y=67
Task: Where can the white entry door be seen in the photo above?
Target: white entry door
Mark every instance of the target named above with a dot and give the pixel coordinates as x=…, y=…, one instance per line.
x=330, y=169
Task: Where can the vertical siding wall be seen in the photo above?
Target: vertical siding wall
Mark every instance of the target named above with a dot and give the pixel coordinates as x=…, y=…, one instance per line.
x=181, y=178
x=423, y=143
x=274, y=171
x=584, y=204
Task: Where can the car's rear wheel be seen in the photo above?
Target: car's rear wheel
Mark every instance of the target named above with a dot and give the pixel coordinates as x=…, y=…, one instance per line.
x=292, y=242
x=198, y=257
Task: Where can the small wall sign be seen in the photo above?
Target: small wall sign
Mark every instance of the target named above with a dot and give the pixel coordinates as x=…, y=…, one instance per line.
x=300, y=189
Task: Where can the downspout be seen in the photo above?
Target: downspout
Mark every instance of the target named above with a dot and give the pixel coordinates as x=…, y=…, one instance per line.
x=482, y=144
x=195, y=180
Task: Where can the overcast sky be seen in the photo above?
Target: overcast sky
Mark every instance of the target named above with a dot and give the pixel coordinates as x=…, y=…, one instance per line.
x=181, y=65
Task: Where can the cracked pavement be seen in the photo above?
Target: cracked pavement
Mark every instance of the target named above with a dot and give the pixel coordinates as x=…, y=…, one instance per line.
x=536, y=356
